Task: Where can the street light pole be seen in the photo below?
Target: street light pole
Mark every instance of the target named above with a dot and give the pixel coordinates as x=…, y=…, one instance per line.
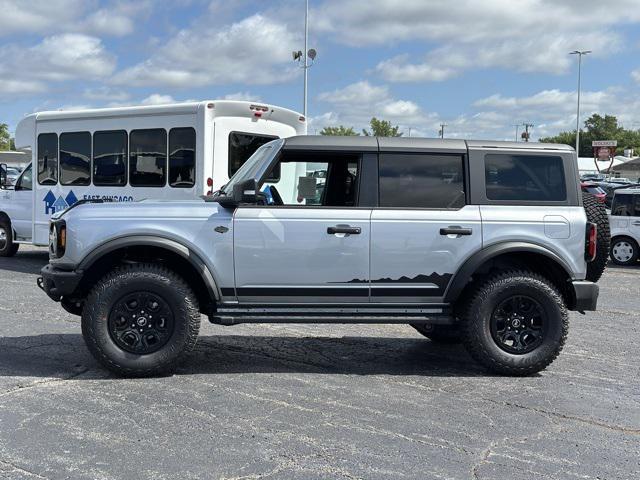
x=306, y=66
x=580, y=53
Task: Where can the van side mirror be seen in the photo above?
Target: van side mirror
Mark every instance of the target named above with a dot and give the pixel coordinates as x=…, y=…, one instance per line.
x=3, y=175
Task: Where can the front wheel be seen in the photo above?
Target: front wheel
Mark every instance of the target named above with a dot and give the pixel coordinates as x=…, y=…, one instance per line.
x=7, y=247
x=140, y=320
x=516, y=323
x=624, y=251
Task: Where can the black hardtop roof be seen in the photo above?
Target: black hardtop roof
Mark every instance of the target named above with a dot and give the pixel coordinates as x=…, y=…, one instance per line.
x=448, y=145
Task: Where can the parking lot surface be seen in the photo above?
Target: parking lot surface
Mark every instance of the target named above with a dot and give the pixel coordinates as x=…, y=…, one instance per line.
x=316, y=402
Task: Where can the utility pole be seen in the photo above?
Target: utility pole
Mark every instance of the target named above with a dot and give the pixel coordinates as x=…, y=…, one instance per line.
x=525, y=134
x=441, y=132
x=304, y=56
x=580, y=53
x=517, y=125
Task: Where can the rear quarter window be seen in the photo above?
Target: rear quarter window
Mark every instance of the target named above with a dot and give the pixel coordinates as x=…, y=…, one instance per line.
x=525, y=178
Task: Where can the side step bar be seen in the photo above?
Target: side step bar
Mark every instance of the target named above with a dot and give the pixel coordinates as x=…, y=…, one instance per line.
x=235, y=315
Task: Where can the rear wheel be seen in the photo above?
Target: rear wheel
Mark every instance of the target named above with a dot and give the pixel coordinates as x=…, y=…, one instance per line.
x=439, y=333
x=515, y=324
x=140, y=320
x=596, y=213
x=624, y=251
x=7, y=247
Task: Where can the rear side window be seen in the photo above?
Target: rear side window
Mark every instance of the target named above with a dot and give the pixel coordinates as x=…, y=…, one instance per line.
x=182, y=157
x=47, y=159
x=421, y=181
x=525, y=178
x=626, y=205
x=110, y=158
x=242, y=146
x=148, y=157
x=75, y=158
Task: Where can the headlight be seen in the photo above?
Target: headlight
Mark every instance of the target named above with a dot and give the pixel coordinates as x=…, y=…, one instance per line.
x=57, y=238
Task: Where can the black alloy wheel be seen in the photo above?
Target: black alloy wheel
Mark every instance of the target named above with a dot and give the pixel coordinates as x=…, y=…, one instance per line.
x=518, y=324
x=141, y=323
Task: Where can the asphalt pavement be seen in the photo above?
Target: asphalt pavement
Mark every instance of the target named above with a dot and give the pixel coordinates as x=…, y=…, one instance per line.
x=316, y=402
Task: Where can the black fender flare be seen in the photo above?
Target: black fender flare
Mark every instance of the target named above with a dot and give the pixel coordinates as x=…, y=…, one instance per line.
x=154, y=241
x=469, y=267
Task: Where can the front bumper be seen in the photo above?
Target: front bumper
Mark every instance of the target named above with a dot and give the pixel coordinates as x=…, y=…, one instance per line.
x=58, y=283
x=586, y=295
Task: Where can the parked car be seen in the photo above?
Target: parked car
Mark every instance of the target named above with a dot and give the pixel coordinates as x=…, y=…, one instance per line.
x=625, y=226
x=610, y=188
x=472, y=241
x=593, y=188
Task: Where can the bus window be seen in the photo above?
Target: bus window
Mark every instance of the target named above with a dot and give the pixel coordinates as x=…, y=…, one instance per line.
x=75, y=158
x=182, y=157
x=148, y=157
x=110, y=158
x=242, y=146
x=47, y=159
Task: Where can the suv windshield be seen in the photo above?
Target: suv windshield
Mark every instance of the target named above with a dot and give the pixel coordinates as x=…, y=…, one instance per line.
x=254, y=166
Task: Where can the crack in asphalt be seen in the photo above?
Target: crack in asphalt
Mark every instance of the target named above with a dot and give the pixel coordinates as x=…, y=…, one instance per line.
x=22, y=470
x=22, y=388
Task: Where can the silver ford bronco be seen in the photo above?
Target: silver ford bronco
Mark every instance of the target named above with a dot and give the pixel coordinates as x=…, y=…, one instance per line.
x=480, y=242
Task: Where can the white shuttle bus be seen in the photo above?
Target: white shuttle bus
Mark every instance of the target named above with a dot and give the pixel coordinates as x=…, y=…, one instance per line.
x=133, y=153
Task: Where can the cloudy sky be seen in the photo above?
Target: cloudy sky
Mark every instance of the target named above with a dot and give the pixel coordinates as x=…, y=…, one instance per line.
x=480, y=66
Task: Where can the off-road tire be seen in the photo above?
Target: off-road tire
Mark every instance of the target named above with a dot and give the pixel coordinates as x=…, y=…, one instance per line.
x=486, y=296
x=9, y=249
x=634, y=256
x=132, y=278
x=596, y=213
x=447, y=334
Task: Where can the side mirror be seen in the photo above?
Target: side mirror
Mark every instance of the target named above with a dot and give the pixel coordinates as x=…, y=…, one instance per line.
x=3, y=175
x=243, y=193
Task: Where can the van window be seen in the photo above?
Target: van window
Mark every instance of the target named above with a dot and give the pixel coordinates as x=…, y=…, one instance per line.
x=75, y=158
x=47, y=159
x=242, y=146
x=182, y=157
x=25, y=182
x=421, y=181
x=110, y=158
x=524, y=177
x=626, y=205
x=148, y=157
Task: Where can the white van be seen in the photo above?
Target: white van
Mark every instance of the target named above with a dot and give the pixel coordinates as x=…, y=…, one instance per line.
x=132, y=153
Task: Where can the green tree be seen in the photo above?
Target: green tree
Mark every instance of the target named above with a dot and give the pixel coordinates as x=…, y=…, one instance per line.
x=6, y=142
x=340, y=130
x=382, y=128
x=598, y=127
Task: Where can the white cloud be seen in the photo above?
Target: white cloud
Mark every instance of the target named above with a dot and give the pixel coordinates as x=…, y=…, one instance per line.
x=157, y=99
x=636, y=75
x=355, y=104
x=104, y=93
x=246, y=96
x=255, y=50
x=526, y=36
x=58, y=58
x=117, y=18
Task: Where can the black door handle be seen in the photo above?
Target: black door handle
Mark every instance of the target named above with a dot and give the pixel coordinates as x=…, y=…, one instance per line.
x=344, y=229
x=455, y=231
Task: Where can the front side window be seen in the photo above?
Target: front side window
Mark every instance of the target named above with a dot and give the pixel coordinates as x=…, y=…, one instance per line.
x=75, y=158
x=525, y=178
x=329, y=180
x=25, y=182
x=148, y=157
x=47, y=159
x=421, y=181
x=110, y=158
x=242, y=146
x=626, y=205
x=182, y=157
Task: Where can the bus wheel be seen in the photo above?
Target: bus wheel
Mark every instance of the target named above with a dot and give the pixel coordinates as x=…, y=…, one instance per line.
x=7, y=247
